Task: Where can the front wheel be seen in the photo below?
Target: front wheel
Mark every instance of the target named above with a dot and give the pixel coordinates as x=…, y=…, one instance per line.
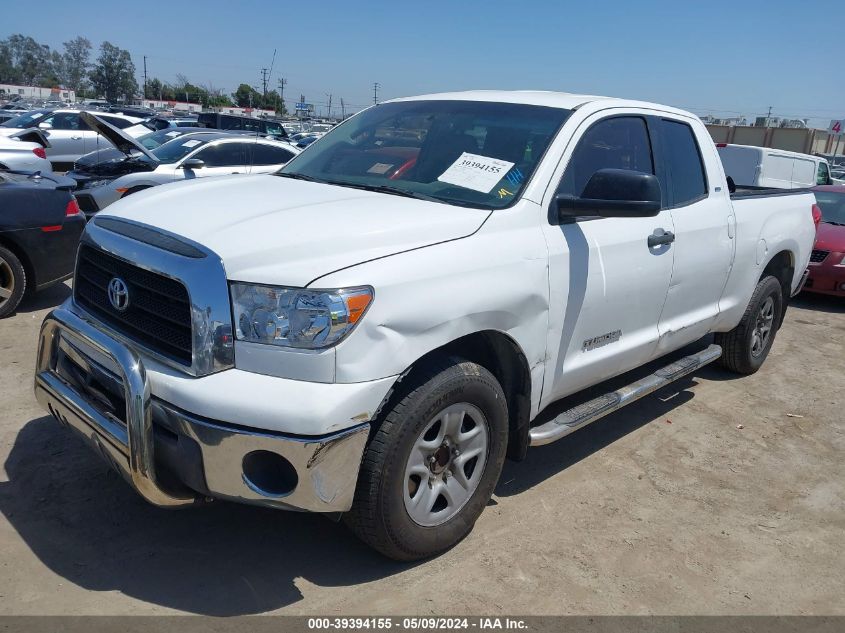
x=746, y=346
x=433, y=463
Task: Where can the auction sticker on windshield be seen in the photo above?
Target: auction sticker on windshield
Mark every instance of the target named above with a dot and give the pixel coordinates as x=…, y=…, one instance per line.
x=479, y=173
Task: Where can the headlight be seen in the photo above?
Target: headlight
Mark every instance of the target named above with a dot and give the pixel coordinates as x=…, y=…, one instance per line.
x=294, y=317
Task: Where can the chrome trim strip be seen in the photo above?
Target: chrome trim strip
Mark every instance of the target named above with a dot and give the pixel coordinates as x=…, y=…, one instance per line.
x=582, y=415
x=208, y=290
x=804, y=276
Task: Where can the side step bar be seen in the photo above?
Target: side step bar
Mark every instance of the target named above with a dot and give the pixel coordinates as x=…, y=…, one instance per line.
x=576, y=417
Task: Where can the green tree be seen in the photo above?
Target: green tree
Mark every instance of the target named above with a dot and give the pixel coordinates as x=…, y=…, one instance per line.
x=113, y=76
x=29, y=59
x=247, y=97
x=76, y=62
x=8, y=71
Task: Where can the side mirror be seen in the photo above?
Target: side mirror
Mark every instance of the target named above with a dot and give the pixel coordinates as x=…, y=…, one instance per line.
x=613, y=193
x=193, y=163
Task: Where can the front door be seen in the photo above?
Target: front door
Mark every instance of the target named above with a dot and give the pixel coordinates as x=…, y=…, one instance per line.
x=607, y=284
x=220, y=159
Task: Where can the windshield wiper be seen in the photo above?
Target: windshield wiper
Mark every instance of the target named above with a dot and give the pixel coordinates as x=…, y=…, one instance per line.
x=833, y=223
x=296, y=176
x=394, y=191
x=398, y=191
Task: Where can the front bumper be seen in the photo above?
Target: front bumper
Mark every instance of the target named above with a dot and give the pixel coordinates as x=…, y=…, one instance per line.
x=827, y=277
x=156, y=443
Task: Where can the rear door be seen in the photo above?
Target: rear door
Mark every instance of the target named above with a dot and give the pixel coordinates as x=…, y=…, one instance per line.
x=702, y=214
x=607, y=286
x=265, y=158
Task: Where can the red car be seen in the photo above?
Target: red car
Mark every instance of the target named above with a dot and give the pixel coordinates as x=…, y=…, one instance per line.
x=827, y=263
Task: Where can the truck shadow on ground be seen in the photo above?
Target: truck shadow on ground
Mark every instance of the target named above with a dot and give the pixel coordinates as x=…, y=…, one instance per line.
x=86, y=525
x=49, y=298
x=546, y=461
x=819, y=302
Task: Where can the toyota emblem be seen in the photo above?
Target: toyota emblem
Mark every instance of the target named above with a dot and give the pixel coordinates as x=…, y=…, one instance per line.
x=118, y=294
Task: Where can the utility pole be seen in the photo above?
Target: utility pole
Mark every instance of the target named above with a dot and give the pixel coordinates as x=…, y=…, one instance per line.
x=282, y=83
x=376, y=86
x=264, y=81
x=330, y=105
x=145, y=77
x=769, y=117
x=342, y=110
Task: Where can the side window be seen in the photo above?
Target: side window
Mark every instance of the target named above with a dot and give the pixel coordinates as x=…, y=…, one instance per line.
x=269, y=155
x=683, y=159
x=65, y=121
x=223, y=155
x=823, y=176
x=616, y=143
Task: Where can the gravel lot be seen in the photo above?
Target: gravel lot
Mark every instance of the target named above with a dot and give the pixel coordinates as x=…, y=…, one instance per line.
x=666, y=507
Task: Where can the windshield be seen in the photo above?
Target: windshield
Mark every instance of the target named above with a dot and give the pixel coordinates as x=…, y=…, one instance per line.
x=155, y=139
x=27, y=119
x=468, y=153
x=177, y=149
x=832, y=205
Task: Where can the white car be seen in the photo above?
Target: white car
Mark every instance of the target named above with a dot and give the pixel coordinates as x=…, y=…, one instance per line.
x=188, y=156
x=69, y=136
x=21, y=155
x=373, y=330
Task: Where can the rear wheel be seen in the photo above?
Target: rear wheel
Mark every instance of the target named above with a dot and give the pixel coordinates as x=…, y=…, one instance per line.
x=12, y=282
x=745, y=348
x=431, y=466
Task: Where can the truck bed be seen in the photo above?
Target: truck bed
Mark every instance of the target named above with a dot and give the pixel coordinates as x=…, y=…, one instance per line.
x=746, y=191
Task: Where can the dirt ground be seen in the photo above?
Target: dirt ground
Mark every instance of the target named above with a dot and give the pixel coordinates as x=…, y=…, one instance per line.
x=666, y=507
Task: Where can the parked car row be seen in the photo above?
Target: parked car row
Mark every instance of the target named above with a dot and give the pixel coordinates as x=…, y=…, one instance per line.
x=184, y=156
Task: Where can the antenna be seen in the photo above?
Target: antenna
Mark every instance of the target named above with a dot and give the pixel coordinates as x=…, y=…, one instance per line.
x=376, y=86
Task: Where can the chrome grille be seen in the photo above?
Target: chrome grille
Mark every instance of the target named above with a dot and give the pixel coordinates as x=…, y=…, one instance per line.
x=159, y=312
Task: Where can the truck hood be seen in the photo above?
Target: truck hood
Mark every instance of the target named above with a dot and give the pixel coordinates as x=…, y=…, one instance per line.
x=830, y=237
x=286, y=232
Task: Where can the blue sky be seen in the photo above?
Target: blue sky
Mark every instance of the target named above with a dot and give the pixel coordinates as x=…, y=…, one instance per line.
x=722, y=57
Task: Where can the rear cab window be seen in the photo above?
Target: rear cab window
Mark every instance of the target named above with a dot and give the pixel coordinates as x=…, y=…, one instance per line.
x=687, y=181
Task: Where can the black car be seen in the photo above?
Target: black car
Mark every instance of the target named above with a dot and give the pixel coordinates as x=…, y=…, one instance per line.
x=40, y=227
x=265, y=127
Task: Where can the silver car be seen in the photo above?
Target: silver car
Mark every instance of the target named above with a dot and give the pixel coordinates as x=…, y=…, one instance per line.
x=194, y=155
x=69, y=136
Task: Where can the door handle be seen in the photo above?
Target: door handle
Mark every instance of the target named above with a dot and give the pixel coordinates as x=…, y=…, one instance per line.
x=75, y=138
x=659, y=240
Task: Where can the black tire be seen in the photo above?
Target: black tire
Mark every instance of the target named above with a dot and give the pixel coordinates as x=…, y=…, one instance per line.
x=738, y=346
x=12, y=282
x=379, y=516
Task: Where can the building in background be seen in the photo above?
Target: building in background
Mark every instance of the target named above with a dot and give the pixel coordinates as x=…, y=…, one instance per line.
x=56, y=93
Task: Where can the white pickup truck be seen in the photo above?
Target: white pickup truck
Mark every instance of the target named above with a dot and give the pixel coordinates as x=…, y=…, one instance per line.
x=371, y=331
